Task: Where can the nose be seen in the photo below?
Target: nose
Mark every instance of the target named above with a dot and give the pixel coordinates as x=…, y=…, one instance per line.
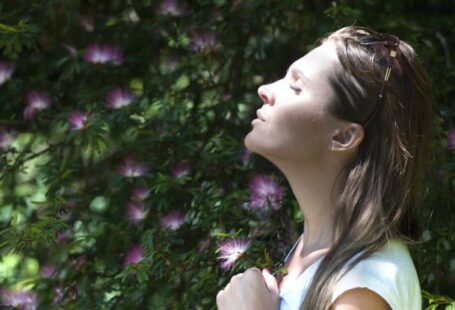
x=266, y=95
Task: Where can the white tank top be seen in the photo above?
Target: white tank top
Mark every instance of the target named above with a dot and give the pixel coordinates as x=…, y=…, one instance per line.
x=390, y=273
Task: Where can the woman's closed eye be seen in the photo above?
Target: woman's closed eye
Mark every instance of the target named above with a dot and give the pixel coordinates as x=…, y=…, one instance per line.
x=295, y=88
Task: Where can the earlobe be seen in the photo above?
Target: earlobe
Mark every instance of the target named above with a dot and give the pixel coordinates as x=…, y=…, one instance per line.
x=347, y=138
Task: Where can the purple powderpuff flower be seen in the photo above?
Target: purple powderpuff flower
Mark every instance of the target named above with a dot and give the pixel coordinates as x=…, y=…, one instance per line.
x=451, y=139
x=119, y=97
x=181, y=170
x=173, y=220
x=71, y=49
x=170, y=62
x=36, y=101
x=7, y=139
x=265, y=192
x=77, y=120
x=47, y=271
x=78, y=262
x=231, y=250
x=134, y=255
x=103, y=53
x=72, y=204
x=59, y=293
x=132, y=169
x=6, y=70
x=203, y=41
x=171, y=7
x=87, y=22
x=23, y=300
x=140, y=193
x=136, y=212
x=64, y=237
x=245, y=158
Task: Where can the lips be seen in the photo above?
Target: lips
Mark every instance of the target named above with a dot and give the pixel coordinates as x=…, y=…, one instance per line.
x=259, y=115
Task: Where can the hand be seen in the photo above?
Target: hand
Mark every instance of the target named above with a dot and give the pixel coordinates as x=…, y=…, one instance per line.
x=252, y=289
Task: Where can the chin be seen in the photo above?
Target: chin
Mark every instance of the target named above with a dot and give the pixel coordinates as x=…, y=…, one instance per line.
x=255, y=145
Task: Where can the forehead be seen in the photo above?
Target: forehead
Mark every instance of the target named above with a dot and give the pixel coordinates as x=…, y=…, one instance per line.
x=322, y=60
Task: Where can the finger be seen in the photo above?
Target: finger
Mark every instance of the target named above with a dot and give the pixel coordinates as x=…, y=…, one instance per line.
x=219, y=296
x=236, y=278
x=253, y=271
x=270, y=281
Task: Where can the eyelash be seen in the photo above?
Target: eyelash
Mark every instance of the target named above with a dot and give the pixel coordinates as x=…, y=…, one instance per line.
x=295, y=89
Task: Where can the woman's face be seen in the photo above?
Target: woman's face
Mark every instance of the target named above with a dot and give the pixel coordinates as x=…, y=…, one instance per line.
x=293, y=123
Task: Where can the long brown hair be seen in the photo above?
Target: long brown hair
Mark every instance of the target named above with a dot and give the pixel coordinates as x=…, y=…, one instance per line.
x=381, y=188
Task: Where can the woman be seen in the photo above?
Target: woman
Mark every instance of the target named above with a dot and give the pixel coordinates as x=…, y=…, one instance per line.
x=348, y=126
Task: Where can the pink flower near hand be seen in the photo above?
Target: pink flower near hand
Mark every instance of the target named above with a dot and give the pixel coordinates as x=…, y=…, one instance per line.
x=104, y=54
x=119, y=98
x=231, y=250
x=134, y=255
x=77, y=120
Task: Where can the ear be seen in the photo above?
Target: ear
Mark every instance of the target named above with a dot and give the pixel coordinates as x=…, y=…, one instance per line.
x=347, y=138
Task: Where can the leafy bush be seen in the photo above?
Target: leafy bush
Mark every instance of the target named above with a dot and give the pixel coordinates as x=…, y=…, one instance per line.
x=123, y=180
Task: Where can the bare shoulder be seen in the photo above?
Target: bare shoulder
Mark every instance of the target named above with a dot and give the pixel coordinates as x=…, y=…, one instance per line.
x=360, y=298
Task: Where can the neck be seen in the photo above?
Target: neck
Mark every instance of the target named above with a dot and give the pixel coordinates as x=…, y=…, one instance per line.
x=313, y=186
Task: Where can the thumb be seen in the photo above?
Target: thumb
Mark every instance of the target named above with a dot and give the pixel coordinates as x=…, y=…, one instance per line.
x=270, y=281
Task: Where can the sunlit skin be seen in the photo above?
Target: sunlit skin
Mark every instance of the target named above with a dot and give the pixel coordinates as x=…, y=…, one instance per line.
x=294, y=131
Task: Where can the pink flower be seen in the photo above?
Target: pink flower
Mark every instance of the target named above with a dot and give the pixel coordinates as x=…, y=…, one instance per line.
x=132, y=169
x=451, y=139
x=170, y=62
x=134, y=255
x=171, y=7
x=136, y=212
x=20, y=299
x=71, y=204
x=140, y=193
x=265, y=192
x=181, y=170
x=7, y=139
x=77, y=120
x=103, y=53
x=119, y=97
x=59, y=293
x=64, y=237
x=36, y=101
x=203, y=41
x=47, y=271
x=71, y=49
x=173, y=220
x=231, y=250
x=246, y=157
x=78, y=262
x=6, y=70
x=87, y=22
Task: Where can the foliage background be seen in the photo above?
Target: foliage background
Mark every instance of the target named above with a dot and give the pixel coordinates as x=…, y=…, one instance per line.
x=64, y=200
